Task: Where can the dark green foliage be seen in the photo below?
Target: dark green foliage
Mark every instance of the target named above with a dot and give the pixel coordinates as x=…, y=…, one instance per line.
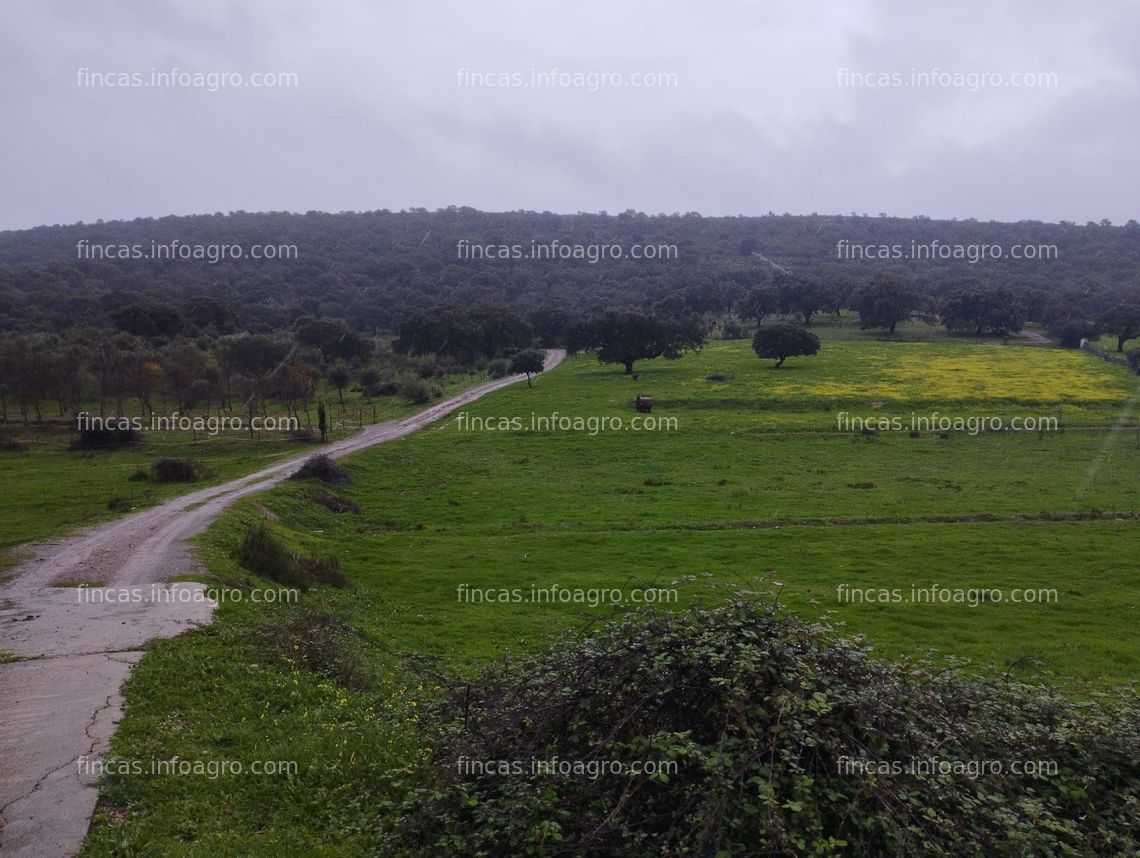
x=148, y=318
x=758, y=713
x=119, y=504
x=887, y=300
x=415, y=390
x=1123, y=322
x=375, y=270
x=731, y=331
x=206, y=313
x=333, y=338
x=759, y=303
x=529, y=362
x=466, y=333
x=1070, y=330
x=252, y=354
x=176, y=470
x=339, y=377
x=782, y=341
x=801, y=296
x=982, y=310
x=322, y=468
x=625, y=336
x=549, y=324
x=370, y=378
x=106, y=438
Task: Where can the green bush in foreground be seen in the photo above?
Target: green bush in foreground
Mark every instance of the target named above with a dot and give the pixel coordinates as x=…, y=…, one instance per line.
x=777, y=733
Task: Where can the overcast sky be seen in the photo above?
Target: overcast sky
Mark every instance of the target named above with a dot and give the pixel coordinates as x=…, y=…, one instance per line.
x=758, y=106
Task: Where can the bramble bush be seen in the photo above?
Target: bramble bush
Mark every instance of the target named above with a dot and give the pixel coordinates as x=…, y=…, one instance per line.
x=759, y=710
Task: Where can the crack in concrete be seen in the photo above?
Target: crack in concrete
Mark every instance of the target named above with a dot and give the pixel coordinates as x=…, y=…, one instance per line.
x=63, y=655
x=94, y=741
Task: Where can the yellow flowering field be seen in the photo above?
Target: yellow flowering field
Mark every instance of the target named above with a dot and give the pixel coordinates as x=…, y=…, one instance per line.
x=846, y=370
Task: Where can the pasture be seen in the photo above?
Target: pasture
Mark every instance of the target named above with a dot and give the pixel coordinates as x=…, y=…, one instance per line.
x=755, y=486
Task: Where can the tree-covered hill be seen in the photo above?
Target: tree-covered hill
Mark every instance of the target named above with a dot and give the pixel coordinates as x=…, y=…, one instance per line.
x=376, y=269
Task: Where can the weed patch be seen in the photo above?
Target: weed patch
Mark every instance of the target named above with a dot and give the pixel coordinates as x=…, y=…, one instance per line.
x=319, y=642
x=265, y=555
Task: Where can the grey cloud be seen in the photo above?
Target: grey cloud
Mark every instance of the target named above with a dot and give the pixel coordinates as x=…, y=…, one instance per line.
x=758, y=120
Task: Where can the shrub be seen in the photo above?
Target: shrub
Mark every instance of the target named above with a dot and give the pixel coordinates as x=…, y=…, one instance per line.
x=335, y=503
x=139, y=475
x=415, y=390
x=106, y=438
x=388, y=388
x=430, y=370
x=772, y=731
x=322, y=468
x=499, y=368
x=717, y=376
x=119, y=504
x=176, y=470
x=265, y=555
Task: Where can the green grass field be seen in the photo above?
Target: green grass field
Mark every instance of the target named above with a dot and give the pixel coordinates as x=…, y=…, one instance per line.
x=754, y=487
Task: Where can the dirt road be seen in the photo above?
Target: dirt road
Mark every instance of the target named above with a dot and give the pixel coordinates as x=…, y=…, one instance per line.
x=59, y=703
